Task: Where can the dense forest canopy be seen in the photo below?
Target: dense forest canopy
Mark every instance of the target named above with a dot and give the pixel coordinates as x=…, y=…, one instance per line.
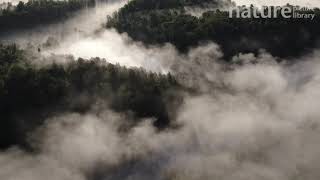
x=26, y=88
x=152, y=25
x=142, y=5
x=198, y=95
x=39, y=12
x=31, y=93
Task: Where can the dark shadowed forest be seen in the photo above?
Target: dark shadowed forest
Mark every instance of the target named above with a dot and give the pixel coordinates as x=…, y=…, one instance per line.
x=155, y=24
x=158, y=89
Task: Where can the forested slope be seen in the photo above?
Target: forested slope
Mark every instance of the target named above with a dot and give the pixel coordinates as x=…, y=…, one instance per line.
x=279, y=36
x=39, y=12
x=29, y=93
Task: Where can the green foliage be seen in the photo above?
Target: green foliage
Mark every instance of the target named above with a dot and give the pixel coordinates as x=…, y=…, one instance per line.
x=29, y=94
x=281, y=37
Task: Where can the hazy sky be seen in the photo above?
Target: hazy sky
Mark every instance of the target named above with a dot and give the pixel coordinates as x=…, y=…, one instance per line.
x=240, y=2
x=279, y=2
x=12, y=1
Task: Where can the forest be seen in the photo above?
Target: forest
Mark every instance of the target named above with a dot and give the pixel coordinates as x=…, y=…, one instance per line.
x=174, y=25
x=158, y=90
x=39, y=12
x=35, y=93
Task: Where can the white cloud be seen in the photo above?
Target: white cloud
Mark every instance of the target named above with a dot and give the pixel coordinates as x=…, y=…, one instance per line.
x=309, y=3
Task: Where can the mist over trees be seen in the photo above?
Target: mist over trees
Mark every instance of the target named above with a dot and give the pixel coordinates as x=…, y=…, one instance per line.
x=144, y=5
x=234, y=99
x=36, y=92
x=281, y=37
x=39, y=12
x=29, y=94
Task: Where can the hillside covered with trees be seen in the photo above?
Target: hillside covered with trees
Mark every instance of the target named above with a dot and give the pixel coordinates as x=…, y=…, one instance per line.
x=29, y=93
x=157, y=90
x=39, y=12
x=165, y=23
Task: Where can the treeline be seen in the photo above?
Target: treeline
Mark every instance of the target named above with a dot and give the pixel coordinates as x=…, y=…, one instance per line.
x=281, y=37
x=38, y=12
x=140, y=5
x=29, y=94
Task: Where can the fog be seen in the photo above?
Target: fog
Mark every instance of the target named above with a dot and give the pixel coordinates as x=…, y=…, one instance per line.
x=118, y=48
x=252, y=119
x=84, y=36
x=308, y=3
x=14, y=2
x=83, y=23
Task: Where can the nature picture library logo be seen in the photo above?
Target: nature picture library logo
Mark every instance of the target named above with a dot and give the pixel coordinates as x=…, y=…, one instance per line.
x=287, y=12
